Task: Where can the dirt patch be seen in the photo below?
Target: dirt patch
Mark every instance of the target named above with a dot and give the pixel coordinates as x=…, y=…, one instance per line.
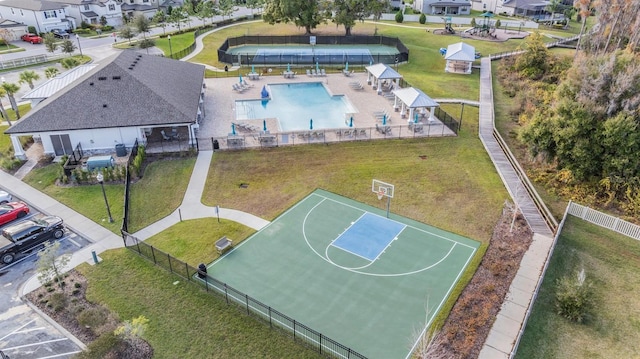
x=473, y=314
x=85, y=320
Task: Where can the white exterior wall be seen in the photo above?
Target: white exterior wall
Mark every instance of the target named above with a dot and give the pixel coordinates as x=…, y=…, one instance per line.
x=114, y=17
x=104, y=139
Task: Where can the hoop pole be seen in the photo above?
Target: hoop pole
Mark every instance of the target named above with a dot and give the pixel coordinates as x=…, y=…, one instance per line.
x=388, y=204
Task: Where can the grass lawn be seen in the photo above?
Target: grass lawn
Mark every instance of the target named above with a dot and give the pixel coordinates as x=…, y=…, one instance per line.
x=160, y=191
x=158, y=194
x=184, y=321
x=179, y=42
x=195, y=247
x=612, y=262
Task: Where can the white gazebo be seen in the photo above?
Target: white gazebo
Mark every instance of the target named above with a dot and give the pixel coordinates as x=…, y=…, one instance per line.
x=382, y=72
x=459, y=58
x=412, y=99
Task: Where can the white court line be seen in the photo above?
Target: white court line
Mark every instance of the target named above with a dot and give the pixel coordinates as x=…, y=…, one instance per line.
x=417, y=229
x=29, y=322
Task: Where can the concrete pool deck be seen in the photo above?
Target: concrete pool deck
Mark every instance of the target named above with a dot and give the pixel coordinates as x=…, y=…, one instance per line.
x=220, y=106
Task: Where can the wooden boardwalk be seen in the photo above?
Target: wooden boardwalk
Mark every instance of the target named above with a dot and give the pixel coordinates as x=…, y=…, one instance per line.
x=505, y=168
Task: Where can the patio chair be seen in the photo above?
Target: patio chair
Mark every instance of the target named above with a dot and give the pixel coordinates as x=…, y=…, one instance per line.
x=164, y=136
x=323, y=73
x=308, y=72
x=238, y=88
x=313, y=73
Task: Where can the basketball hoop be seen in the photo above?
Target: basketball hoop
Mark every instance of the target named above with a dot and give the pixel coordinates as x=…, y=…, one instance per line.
x=381, y=193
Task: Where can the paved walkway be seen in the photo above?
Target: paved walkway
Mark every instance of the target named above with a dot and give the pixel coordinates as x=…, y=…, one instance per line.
x=508, y=324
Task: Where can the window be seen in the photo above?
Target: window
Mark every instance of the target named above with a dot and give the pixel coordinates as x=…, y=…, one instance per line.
x=145, y=0
x=50, y=14
x=112, y=7
x=21, y=13
x=12, y=12
x=87, y=7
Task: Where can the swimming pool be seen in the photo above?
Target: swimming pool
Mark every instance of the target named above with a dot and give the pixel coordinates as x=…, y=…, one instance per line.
x=295, y=104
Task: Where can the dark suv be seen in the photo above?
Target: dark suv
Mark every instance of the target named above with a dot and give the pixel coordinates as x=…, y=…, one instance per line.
x=27, y=235
x=61, y=34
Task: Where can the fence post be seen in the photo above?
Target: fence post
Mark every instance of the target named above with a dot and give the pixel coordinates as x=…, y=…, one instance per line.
x=153, y=254
x=246, y=297
x=226, y=293
x=294, y=329
x=169, y=259
x=186, y=267
x=270, y=324
x=320, y=343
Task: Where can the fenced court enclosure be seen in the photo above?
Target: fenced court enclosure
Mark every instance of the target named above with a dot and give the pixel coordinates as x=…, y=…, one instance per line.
x=372, y=283
x=309, y=50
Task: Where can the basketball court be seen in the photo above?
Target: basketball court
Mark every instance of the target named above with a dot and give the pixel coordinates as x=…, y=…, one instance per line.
x=358, y=274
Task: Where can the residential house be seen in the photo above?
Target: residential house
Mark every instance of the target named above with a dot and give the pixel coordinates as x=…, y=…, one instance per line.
x=443, y=7
x=129, y=96
x=13, y=28
x=133, y=8
x=44, y=15
x=91, y=11
x=536, y=9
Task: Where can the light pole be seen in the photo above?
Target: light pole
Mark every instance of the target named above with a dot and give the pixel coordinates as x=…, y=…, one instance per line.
x=170, y=49
x=396, y=63
x=79, y=47
x=100, y=179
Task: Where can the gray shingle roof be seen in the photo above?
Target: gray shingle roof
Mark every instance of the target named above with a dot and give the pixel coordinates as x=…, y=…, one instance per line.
x=129, y=89
x=35, y=5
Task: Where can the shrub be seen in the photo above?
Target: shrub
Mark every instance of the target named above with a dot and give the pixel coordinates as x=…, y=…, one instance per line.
x=574, y=297
x=100, y=347
x=146, y=43
x=399, y=17
x=423, y=19
x=58, y=301
x=93, y=317
x=498, y=24
x=84, y=25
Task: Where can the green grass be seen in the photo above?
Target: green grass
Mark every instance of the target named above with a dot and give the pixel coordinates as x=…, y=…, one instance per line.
x=612, y=262
x=193, y=246
x=179, y=42
x=160, y=192
x=184, y=321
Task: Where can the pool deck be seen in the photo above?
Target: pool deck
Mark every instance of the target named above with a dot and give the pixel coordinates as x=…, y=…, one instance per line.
x=220, y=107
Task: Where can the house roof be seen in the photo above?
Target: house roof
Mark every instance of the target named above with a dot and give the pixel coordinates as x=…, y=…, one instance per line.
x=35, y=5
x=383, y=72
x=137, y=7
x=460, y=52
x=450, y=3
x=55, y=84
x=89, y=14
x=128, y=89
x=414, y=98
x=4, y=23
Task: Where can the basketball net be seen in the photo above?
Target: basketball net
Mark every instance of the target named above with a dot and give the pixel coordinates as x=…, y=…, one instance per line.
x=381, y=193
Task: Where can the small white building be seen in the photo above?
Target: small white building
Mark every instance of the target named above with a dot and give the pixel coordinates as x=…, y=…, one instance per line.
x=460, y=58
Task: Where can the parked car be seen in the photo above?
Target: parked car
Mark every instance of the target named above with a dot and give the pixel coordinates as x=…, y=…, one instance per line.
x=32, y=38
x=27, y=235
x=12, y=211
x=5, y=197
x=61, y=34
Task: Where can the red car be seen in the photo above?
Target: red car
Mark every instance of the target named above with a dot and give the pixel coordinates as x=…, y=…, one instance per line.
x=12, y=211
x=32, y=38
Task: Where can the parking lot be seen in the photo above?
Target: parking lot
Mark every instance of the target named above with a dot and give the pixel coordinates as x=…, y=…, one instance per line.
x=23, y=332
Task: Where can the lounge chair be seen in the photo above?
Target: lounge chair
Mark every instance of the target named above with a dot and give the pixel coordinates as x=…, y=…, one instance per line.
x=356, y=85
x=238, y=88
x=313, y=73
x=164, y=136
x=323, y=73
x=309, y=73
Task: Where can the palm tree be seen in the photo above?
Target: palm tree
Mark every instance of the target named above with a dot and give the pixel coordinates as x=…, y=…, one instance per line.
x=3, y=111
x=51, y=72
x=29, y=77
x=11, y=89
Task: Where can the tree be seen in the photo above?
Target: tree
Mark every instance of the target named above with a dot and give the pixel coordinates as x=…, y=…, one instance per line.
x=51, y=266
x=303, y=13
x=205, y=10
x=29, y=77
x=159, y=19
x=6, y=36
x=533, y=63
x=554, y=6
x=423, y=19
x=399, y=16
x=3, y=111
x=226, y=8
x=346, y=12
x=127, y=33
x=177, y=17
x=498, y=24
x=142, y=24
x=11, y=89
x=50, y=42
x=254, y=4
x=68, y=47
x=50, y=72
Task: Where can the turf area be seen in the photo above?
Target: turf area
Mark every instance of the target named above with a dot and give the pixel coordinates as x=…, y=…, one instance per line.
x=348, y=272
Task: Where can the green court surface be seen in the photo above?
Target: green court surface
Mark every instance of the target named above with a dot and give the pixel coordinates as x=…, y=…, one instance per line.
x=253, y=49
x=343, y=269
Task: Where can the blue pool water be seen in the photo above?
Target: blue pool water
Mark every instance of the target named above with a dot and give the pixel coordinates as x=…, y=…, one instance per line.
x=295, y=104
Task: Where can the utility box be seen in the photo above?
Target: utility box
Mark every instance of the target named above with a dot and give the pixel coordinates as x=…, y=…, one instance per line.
x=99, y=162
x=121, y=150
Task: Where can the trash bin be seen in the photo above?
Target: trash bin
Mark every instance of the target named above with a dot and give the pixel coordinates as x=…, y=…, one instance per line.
x=202, y=271
x=121, y=150
x=216, y=145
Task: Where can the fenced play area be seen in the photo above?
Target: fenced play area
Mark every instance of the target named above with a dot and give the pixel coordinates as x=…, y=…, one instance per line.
x=367, y=278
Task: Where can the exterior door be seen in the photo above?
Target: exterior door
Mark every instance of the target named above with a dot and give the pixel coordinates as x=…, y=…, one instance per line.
x=61, y=145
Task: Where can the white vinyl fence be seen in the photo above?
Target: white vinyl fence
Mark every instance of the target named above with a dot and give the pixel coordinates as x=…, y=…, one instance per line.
x=604, y=220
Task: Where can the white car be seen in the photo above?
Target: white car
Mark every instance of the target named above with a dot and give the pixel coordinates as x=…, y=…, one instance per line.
x=5, y=197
